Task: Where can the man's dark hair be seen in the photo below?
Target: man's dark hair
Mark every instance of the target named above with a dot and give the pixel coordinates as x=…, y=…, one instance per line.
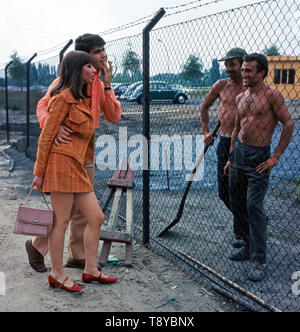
x=261, y=62
x=87, y=41
x=70, y=75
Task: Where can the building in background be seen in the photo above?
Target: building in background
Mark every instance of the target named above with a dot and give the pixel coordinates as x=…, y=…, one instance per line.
x=284, y=75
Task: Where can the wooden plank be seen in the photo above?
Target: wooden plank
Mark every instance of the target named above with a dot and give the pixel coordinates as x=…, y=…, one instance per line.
x=128, y=254
x=122, y=180
x=129, y=175
x=106, y=198
x=105, y=252
x=115, y=211
x=116, y=237
x=120, y=183
x=129, y=211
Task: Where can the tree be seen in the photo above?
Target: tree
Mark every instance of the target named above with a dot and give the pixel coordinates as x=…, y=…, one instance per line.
x=33, y=74
x=272, y=50
x=192, y=69
x=17, y=70
x=215, y=71
x=131, y=64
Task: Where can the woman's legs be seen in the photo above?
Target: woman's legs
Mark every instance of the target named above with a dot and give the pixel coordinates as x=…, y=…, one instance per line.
x=88, y=204
x=62, y=205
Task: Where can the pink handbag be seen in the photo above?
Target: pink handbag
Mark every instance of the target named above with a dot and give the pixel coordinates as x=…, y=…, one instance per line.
x=34, y=222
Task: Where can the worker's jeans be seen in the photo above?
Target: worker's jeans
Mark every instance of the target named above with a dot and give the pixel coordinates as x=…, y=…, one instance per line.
x=247, y=190
x=223, y=180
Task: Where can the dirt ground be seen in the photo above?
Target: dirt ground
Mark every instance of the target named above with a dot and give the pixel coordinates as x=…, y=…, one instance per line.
x=145, y=287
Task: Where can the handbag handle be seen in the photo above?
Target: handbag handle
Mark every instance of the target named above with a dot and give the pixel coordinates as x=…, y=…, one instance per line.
x=27, y=199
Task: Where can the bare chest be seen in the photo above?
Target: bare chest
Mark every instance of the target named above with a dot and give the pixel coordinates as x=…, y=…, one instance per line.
x=255, y=106
x=228, y=95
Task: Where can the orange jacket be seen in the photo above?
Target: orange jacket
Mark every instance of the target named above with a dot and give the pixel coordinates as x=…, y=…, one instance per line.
x=64, y=109
x=100, y=101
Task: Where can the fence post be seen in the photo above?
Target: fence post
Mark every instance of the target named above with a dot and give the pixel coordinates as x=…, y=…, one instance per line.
x=146, y=123
x=62, y=52
x=6, y=100
x=28, y=101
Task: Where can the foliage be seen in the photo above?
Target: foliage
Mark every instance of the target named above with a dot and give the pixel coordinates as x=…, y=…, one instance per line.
x=192, y=69
x=40, y=74
x=17, y=70
x=131, y=64
x=43, y=74
x=215, y=71
x=271, y=50
x=192, y=72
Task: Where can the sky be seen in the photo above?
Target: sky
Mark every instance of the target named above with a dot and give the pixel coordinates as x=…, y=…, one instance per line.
x=34, y=26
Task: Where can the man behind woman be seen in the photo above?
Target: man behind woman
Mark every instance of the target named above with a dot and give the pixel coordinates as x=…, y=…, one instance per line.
x=102, y=101
x=59, y=170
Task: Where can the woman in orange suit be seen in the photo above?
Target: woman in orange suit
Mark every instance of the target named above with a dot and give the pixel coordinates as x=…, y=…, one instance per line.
x=60, y=170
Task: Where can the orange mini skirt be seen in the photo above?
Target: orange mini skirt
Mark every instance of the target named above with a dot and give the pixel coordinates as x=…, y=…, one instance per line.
x=65, y=174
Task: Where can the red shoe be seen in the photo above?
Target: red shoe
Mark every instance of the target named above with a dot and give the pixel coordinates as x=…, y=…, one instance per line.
x=74, y=289
x=86, y=278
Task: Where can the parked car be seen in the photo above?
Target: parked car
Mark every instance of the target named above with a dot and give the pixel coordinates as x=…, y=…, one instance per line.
x=160, y=91
x=130, y=90
x=120, y=89
x=177, y=86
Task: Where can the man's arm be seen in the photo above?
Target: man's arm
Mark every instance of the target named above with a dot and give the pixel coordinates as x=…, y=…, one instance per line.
x=42, y=115
x=41, y=109
x=109, y=104
x=282, y=114
x=235, y=133
x=212, y=96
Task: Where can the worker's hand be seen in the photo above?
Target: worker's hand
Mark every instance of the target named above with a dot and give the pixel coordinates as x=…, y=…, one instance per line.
x=37, y=183
x=63, y=136
x=268, y=165
x=208, y=139
x=226, y=168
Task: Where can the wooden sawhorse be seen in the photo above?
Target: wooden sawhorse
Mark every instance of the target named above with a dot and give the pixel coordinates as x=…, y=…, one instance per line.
x=120, y=184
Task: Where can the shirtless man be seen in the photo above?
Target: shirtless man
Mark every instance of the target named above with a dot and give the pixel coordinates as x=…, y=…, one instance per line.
x=258, y=109
x=226, y=90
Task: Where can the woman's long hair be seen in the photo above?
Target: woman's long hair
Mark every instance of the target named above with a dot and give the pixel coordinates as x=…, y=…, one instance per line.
x=70, y=75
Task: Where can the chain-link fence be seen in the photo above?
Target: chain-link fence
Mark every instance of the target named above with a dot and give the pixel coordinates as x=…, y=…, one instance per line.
x=184, y=67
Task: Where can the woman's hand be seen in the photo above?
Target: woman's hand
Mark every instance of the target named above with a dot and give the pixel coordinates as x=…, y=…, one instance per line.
x=37, y=183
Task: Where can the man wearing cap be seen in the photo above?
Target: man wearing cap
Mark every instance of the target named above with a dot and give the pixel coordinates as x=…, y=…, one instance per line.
x=226, y=90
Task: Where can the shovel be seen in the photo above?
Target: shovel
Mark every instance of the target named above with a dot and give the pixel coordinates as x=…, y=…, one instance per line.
x=188, y=186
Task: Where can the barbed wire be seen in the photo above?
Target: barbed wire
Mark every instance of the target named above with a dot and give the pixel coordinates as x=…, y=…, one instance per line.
x=195, y=7
x=136, y=23
x=127, y=25
x=182, y=5
x=143, y=20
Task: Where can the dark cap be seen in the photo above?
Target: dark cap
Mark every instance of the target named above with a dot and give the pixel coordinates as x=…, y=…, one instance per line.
x=234, y=53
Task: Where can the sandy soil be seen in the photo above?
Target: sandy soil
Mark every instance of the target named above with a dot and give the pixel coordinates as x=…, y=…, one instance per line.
x=141, y=288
